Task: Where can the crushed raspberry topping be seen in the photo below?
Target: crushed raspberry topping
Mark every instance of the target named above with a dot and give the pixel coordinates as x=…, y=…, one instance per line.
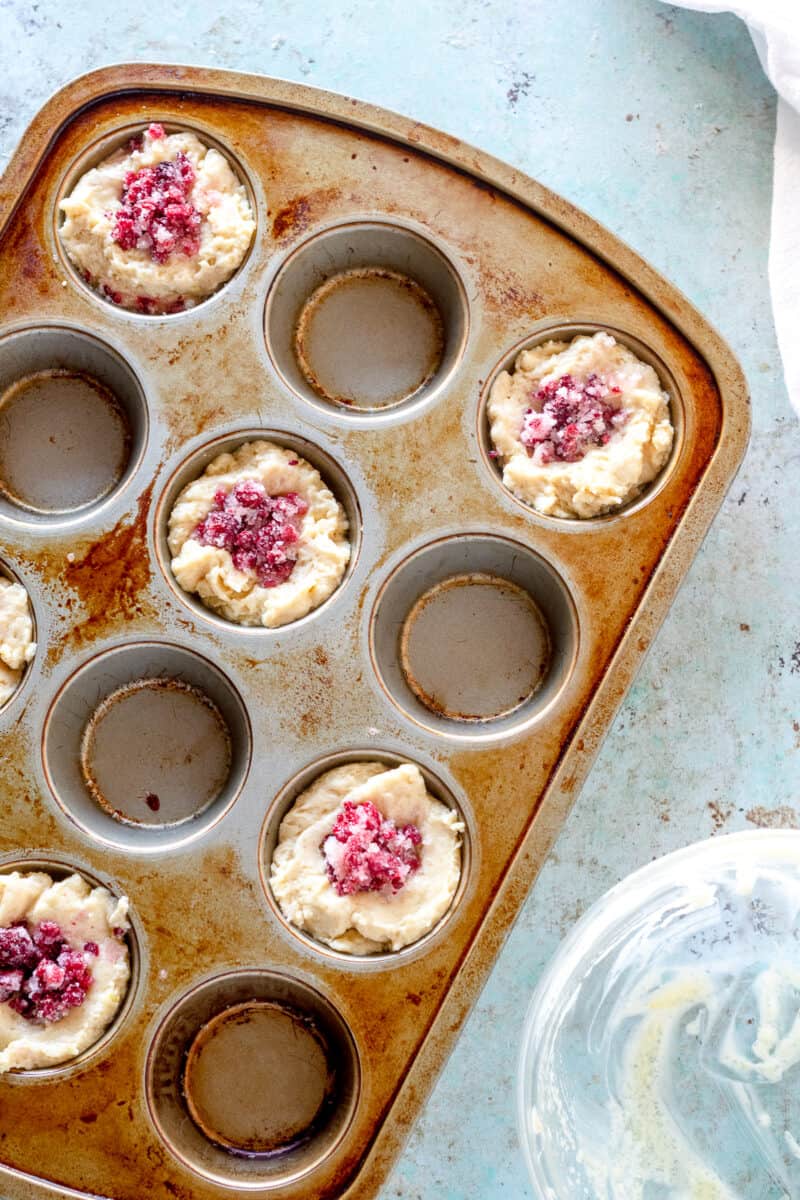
x=366, y=852
x=41, y=977
x=155, y=213
x=259, y=531
x=568, y=417
x=48, y=939
x=110, y=293
x=17, y=948
x=151, y=306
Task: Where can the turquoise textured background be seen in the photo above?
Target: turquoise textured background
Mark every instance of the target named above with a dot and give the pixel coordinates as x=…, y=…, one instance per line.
x=659, y=123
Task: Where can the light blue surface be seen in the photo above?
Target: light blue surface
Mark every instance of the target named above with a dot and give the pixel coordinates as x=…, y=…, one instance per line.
x=659, y=123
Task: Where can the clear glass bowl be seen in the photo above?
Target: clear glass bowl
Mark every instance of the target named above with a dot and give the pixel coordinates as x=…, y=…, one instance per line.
x=661, y=1050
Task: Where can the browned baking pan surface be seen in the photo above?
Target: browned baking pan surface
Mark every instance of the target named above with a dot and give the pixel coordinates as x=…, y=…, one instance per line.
x=493, y=259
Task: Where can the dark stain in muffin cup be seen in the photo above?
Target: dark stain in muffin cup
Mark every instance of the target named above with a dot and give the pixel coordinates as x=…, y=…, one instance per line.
x=158, y=733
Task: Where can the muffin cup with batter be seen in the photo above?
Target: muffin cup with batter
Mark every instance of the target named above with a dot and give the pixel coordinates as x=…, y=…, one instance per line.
x=579, y=428
x=366, y=894
x=159, y=225
x=259, y=537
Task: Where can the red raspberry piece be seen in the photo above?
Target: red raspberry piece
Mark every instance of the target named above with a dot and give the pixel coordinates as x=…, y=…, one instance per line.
x=366, y=852
x=10, y=984
x=91, y=948
x=48, y=939
x=110, y=294
x=56, y=987
x=568, y=417
x=151, y=306
x=75, y=968
x=155, y=212
x=50, y=1007
x=23, y=1005
x=48, y=976
x=17, y=948
x=259, y=531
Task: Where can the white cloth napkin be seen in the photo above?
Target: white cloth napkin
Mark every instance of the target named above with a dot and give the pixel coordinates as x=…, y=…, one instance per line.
x=775, y=29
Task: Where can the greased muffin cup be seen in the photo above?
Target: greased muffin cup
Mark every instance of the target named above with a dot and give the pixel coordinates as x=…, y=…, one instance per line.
x=156, y=744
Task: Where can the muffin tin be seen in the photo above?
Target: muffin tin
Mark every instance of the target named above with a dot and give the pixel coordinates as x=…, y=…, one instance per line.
x=339, y=188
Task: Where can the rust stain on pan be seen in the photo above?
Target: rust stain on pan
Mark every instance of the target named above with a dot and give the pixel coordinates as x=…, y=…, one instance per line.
x=297, y=214
x=311, y=703
x=322, y=160
x=26, y=820
x=109, y=579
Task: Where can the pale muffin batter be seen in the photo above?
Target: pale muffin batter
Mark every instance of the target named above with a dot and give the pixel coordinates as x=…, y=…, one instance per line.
x=17, y=646
x=160, y=225
x=306, y=863
x=64, y=967
x=259, y=537
x=579, y=427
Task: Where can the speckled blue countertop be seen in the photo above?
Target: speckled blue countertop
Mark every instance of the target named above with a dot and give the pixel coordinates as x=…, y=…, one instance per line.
x=660, y=123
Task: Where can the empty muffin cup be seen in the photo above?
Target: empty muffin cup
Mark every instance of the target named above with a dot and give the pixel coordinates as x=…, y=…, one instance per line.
x=366, y=317
x=474, y=636
x=505, y=637
x=73, y=424
x=284, y=1094
x=252, y=1079
x=146, y=746
x=156, y=752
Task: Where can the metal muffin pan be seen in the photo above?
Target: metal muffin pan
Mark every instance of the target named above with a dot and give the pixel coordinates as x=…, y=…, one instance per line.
x=336, y=186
